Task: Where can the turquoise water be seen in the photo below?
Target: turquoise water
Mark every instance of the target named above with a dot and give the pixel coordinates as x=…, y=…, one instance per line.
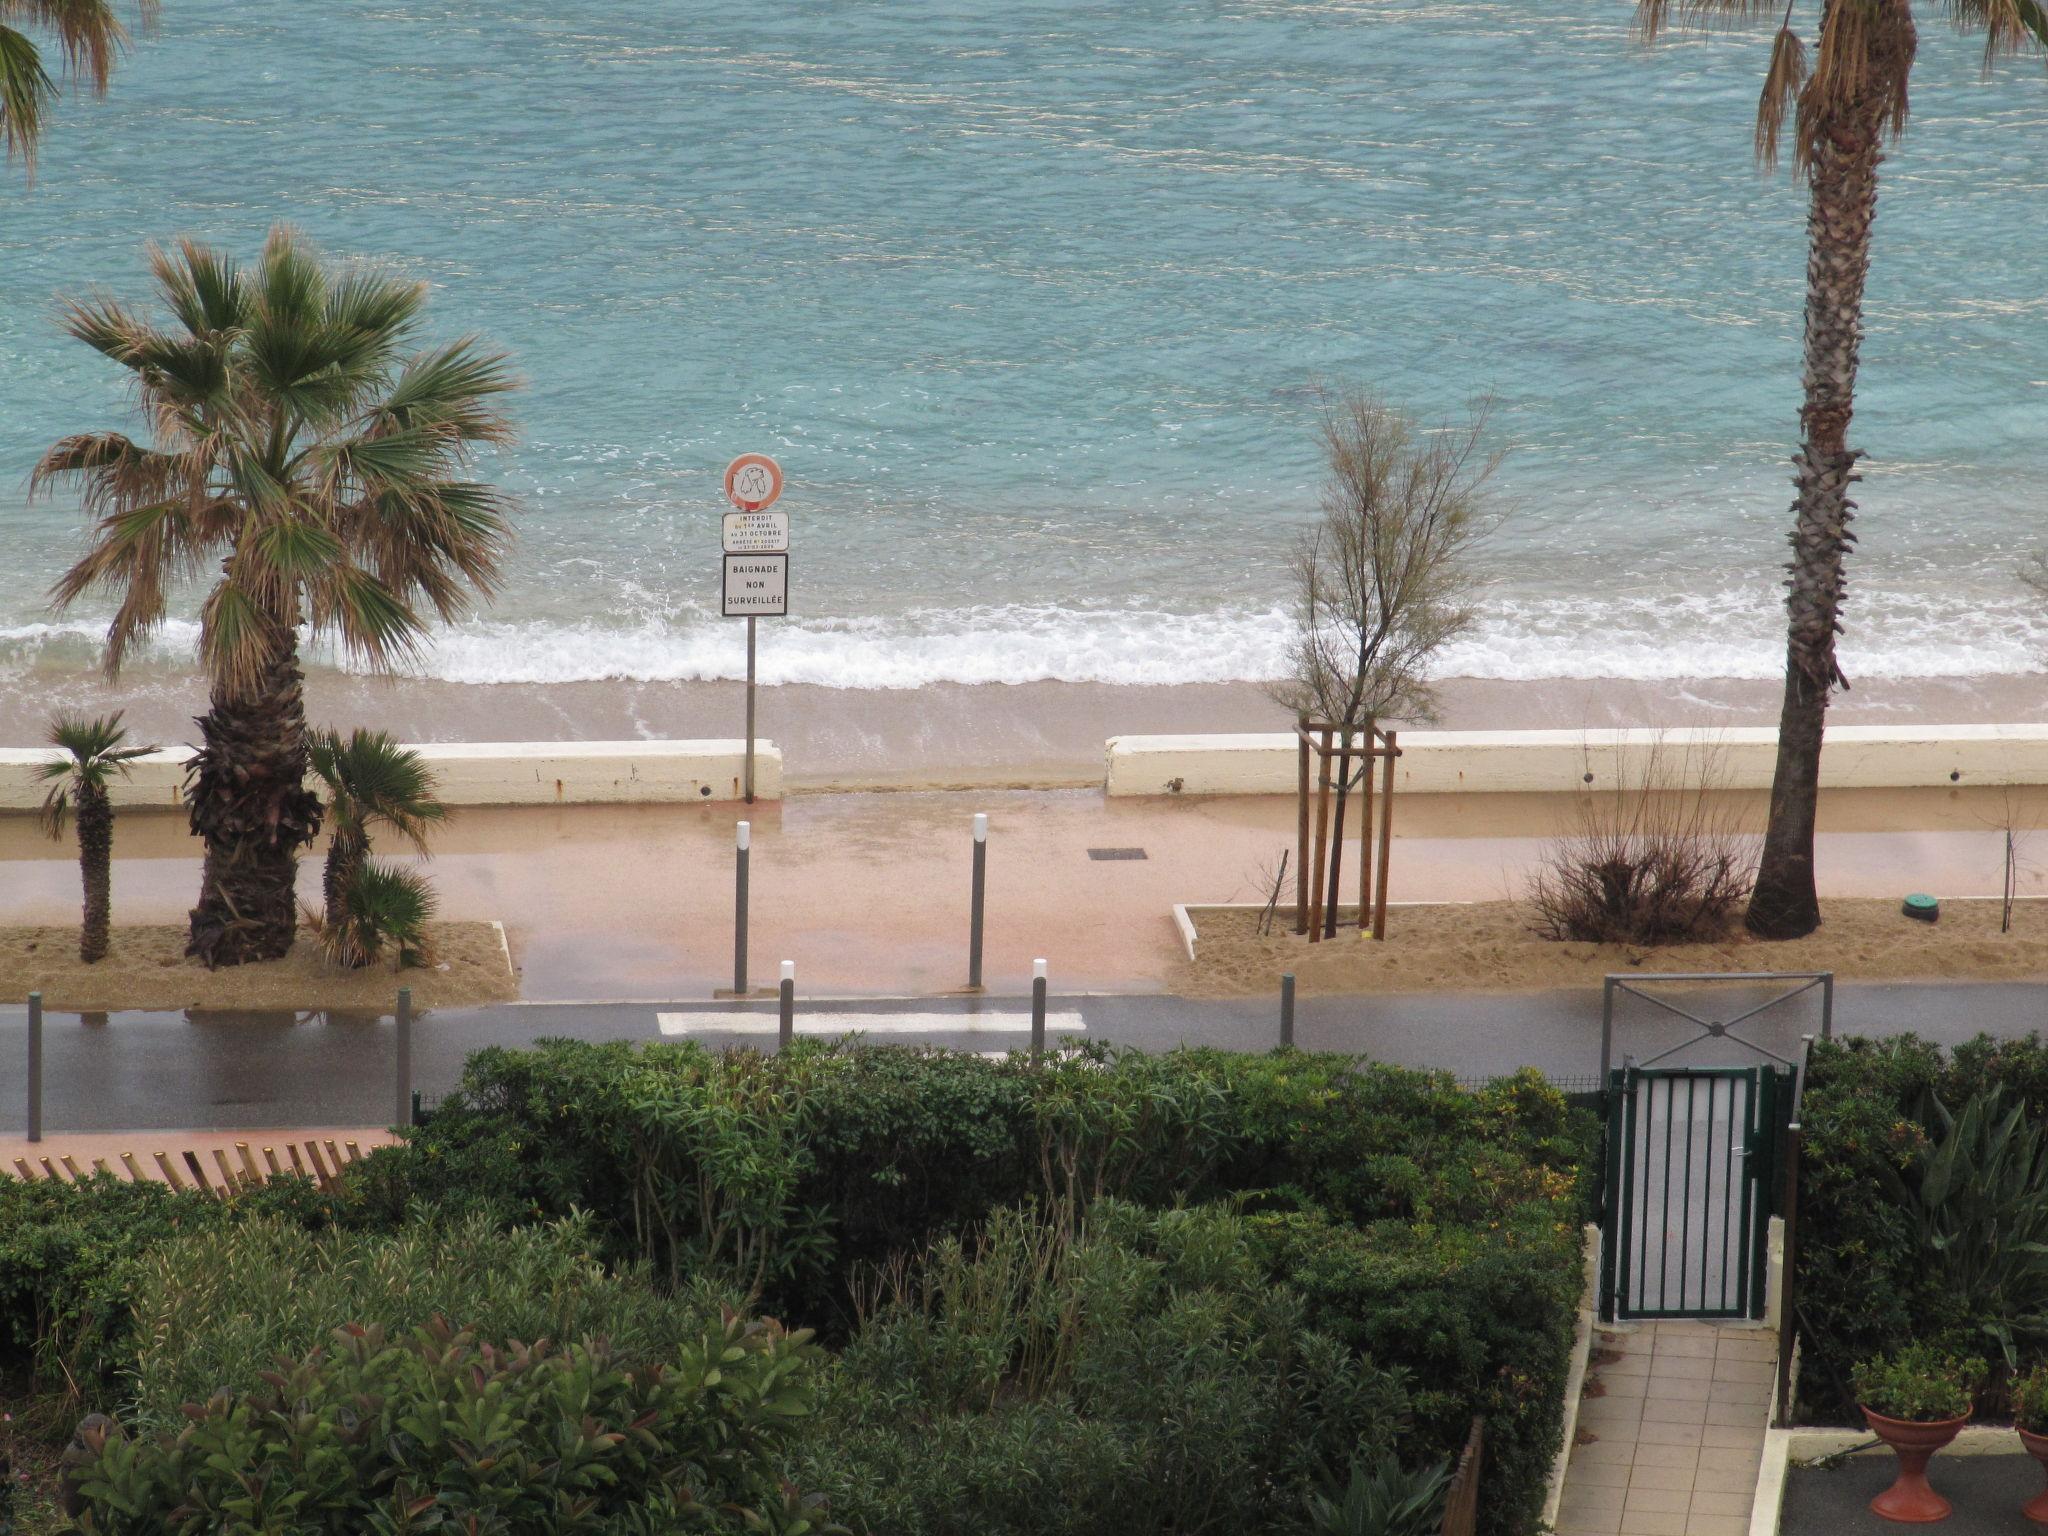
x=1029, y=300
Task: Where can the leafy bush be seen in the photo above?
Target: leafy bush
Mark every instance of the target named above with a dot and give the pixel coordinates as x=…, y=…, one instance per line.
x=1918, y=1382
x=1135, y=1372
x=441, y=1432
x=211, y=1313
x=2030, y=1401
x=1916, y=1223
x=67, y=1261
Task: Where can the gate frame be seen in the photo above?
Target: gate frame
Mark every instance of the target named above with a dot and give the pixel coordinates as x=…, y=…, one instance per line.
x=1773, y=1104
x=1758, y=1121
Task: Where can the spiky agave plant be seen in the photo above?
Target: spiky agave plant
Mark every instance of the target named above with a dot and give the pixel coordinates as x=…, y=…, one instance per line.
x=1381, y=1498
x=383, y=908
x=370, y=779
x=93, y=757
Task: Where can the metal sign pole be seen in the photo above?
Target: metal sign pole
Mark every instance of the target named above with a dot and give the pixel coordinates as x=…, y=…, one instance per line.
x=750, y=708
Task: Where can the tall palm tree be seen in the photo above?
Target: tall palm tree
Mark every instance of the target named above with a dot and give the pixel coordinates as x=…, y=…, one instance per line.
x=1843, y=107
x=370, y=779
x=88, y=35
x=78, y=781
x=315, y=469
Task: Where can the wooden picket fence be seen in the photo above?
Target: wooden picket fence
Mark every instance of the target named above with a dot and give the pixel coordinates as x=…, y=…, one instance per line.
x=230, y=1176
x=1461, y=1503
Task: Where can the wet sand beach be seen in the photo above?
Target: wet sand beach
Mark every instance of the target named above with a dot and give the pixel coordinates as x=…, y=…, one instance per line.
x=955, y=735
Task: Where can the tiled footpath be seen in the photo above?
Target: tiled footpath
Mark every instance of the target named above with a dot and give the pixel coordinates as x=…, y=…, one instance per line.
x=1670, y=1432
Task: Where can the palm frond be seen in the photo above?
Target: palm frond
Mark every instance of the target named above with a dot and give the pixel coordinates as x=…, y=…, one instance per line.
x=202, y=287
x=93, y=755
x=371, y=778
x=26, y=94
x=1783, y=82
x=383, y=906
x=297, y=450
x=1656, y=17
x=2009, y=26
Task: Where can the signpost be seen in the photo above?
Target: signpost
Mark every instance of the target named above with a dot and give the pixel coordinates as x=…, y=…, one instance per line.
x=756, y=546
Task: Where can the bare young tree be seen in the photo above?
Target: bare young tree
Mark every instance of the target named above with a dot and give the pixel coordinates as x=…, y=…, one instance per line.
x=1384, y=578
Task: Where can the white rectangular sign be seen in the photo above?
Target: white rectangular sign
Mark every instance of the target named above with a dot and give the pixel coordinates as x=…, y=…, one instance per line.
x=756, y=533
x=756, y=586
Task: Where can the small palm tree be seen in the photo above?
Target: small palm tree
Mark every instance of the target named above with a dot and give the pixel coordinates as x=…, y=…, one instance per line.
x=314, y=466
x=1844, y=105
x=78, y=781
x=370, y=779
x=381, y=906
x=89, y=36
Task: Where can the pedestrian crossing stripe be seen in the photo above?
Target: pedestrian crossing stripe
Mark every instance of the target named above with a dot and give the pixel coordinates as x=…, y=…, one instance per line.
x=1064, y=1022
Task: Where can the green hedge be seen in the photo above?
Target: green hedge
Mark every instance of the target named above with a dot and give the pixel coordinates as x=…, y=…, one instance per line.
x=1317, y=1258
x=1432, y=1228
x=442, y=1433
x=1864, y=1287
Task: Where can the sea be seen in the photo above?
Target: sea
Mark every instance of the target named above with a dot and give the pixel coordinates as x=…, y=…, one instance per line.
x=1032, y=301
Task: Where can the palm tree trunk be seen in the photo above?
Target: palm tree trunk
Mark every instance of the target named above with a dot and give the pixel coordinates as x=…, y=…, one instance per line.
x=1843, y=178
x=346, y=850
x=247, y=793
x=95, y=869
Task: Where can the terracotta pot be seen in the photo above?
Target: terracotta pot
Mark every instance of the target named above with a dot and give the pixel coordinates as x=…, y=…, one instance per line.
x=1909, y=1500
x=2036, y=1508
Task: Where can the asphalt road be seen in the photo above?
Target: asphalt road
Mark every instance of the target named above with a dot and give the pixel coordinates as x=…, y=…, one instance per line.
x=227, y=1070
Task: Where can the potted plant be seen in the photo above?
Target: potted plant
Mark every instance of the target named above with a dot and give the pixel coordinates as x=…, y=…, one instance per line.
x=1915, y=1400
x=2030, y=1417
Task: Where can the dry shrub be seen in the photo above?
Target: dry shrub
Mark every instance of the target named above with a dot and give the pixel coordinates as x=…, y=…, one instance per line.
x=1657, y=861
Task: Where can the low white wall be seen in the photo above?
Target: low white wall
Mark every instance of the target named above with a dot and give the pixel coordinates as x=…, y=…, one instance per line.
x=1534, y=762
x=489, y=773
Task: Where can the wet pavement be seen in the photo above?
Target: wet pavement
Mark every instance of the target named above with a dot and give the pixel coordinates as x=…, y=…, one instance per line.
x=1987, y=1492
x=226, y=1070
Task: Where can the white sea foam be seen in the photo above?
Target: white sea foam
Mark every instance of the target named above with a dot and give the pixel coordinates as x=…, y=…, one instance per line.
x=1892, y=635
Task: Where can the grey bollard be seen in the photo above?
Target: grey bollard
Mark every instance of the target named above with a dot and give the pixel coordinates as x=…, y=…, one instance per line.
x=1037, y=1009
x=403, y=1067
x=744, y=838
x=35, y=1066
x=785, y=1033
x=978, y=905
x=1287, y=1009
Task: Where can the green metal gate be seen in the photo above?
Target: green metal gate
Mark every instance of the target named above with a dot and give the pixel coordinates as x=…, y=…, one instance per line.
x=1690, y=1158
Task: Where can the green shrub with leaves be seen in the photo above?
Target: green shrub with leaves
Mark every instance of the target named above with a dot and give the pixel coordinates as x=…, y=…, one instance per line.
x=1918, y=1382
x=1122, y=1371
x=441, y=1432
x=1923, y=1204
x=68, y=1254
x=2029, y=1398
x=211, y=1312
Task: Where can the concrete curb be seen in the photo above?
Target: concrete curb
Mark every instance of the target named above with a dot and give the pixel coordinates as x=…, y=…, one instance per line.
x=1539, y=762
x=1575, y=1381
x=485, y=773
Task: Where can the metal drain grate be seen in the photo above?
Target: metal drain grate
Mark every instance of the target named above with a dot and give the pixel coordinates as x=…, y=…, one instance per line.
x=1116, y=853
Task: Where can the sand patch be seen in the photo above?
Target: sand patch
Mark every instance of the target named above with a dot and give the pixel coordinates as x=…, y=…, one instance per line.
x=1490, y=947
x=146, y=967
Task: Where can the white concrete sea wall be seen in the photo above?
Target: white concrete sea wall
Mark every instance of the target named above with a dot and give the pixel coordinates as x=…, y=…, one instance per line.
x=489, y=773
x=1538, y=762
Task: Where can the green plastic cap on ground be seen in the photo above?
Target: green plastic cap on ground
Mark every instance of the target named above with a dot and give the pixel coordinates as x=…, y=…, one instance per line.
x=1924, y=908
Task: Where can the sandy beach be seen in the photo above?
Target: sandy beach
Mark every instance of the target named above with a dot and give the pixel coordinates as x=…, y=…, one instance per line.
x=946, y=735
x=146, y=967
x=1493, y=946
